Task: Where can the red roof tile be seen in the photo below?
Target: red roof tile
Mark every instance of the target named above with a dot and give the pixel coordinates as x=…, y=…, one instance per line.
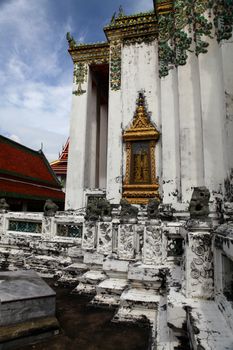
x=14, y=188
x=26, y=173
x=23, y=162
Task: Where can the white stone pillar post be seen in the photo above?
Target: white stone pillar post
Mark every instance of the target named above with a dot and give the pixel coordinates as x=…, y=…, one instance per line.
x=191, y=144
x=77, y=147
x=213, y=115
x=170, y=138
x=199, y=271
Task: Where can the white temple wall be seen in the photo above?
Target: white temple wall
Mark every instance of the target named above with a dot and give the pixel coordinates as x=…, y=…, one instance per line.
x=170, y=138
x=77, y=147
x=213, y=116
x=227, y=58
x=139, y=71
x=191, y=144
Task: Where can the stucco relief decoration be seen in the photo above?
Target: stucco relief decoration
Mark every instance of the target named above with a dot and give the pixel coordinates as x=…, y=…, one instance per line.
x=105, y=238
x=152, y=252
x=46, y=225
x=140, y=183
x=115, y=65
x=80, y=76
x=186, y=22
x=89, y=235
x=202, y=264
x=126, y=239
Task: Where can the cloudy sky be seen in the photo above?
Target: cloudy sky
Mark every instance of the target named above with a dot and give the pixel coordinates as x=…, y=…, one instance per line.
x=35, y=68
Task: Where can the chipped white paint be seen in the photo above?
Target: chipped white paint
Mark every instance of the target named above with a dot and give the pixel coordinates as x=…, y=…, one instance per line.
x=170, y=138
x=191, y=146
x=213, y=116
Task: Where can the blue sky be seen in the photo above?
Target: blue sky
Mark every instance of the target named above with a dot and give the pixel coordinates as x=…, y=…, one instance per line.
x=36, y=69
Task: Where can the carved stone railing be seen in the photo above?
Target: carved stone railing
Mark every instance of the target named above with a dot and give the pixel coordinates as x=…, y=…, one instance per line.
x=151, y=242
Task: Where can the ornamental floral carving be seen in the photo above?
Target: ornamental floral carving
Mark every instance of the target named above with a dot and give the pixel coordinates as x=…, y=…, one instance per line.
x=80, y=76
x=115, y=65
x=190, y=22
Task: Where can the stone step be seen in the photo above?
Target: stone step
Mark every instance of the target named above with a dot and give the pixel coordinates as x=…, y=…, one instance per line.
x=112, y=286
x=104, y=300
x=135, y=315
x=84, y=289
x=92, y=277
x=70, y=274
x=115, y=267
x=147, y=275
x=76, y=267
x=108, y=292
x=88, y=281
x=140, y=298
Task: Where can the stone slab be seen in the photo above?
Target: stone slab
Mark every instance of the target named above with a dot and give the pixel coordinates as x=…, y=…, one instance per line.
x=140, y=295
x=22, y=285
x=113, y=284
x=24, y=296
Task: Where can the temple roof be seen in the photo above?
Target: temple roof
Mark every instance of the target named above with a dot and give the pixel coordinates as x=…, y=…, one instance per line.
x=25, y=173
x=59, y=166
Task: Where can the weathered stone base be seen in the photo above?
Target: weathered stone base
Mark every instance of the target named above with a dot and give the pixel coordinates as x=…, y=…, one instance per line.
x=26, y=333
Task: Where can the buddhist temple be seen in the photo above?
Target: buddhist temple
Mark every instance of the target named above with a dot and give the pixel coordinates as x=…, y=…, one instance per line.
x=59, y=166
x=154, y=95
x=26, y=178
x=147, y=229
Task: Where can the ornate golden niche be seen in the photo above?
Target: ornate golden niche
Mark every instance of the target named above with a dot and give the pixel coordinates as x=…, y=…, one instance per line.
x=140, y=182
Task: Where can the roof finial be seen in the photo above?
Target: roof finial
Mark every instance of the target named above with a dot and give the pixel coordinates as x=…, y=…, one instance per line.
x=71, y=41
x=121, y=11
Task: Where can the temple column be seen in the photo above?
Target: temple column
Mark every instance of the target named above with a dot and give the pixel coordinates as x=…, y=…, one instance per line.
x=213, y=115
x=227, y=57
x=191, y=144
x=170, y=138
x=114, y=153
x=103, y=145
x=114, y=164
x=77, y=147
x=91, y=177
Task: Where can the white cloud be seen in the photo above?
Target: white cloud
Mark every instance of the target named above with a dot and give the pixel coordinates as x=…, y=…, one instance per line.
x=36, y=94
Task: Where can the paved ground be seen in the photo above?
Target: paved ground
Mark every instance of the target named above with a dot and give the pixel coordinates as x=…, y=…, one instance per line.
x=90, y=329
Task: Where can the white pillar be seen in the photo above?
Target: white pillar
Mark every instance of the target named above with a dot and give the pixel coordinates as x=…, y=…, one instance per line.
x=114, y=164
x=77, y=148
x=213, y=115
x=103, y=145
x=170, y=138
x=191, y=144
x=227, y=55
x=140, y=72
x=91, y=138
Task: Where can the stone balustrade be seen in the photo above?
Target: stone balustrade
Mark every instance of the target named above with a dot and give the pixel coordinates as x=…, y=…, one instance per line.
x=151, y=242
